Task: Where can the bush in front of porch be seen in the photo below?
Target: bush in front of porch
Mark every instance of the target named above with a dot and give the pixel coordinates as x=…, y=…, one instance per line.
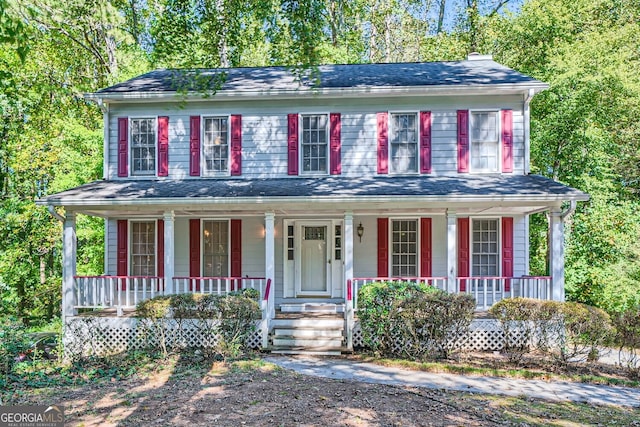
x=412, y=319
x=223, y=322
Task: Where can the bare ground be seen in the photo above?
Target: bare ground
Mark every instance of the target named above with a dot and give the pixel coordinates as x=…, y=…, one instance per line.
x=254, y=393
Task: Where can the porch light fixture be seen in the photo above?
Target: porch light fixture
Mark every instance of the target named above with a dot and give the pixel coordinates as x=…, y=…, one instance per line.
x=360, y=231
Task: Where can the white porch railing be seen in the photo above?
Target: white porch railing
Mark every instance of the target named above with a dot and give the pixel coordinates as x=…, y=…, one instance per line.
x=486, y=290
x=127, y=291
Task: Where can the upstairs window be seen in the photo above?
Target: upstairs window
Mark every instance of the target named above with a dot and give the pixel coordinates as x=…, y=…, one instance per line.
x=403, y=138
x=143, y=146
x=315, y=140
x=485, y=147
x=215, y=147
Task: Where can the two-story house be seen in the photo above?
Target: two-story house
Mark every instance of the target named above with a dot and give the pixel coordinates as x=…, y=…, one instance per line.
x=306, y=189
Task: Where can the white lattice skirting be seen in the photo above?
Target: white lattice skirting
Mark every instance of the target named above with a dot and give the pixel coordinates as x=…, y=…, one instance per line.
x=484, y=335
x=110, y=335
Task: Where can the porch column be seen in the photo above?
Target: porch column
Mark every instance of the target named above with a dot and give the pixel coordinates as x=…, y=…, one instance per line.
x=269, y=252
x=69, y=251
x=452, y=250
x=556, y=260
x=348, y=275
x=169, y=251
x=348, y=248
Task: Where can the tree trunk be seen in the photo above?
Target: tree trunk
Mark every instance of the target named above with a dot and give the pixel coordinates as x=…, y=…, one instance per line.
x=443, y=4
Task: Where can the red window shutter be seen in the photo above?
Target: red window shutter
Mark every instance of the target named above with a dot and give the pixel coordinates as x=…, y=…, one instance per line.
x=507, y=141
x=507, y=251
x=236, y=145
x=194, y=146
x=236, y=249
x=160, y=250
x=123, y=146
x=383, y=143
x=383, y=247
x=425, y=247
x=194, y=251
x=163, y=146
x=425, y=142
x=463, y=140
x=335, y=156
x=122, y=244
x=292, y=143
x=463, y=251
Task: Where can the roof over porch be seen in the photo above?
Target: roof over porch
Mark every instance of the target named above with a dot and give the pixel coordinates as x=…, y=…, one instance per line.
x=486, y=194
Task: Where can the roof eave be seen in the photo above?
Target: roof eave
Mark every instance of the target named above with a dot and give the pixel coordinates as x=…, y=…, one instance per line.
x=436, y=90
x=527, y=199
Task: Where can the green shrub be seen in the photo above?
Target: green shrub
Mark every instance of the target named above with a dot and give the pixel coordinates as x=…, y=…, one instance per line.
x=517, y=317
x=586, y=329
x=247, y=292
x=414, y=320
x=378, y=312
x=627, y=338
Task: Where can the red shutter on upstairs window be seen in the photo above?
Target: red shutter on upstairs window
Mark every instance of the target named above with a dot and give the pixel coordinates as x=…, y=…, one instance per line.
x=463, y=140
x=292, y=143
x=383, y=143
x=463, y=251
x=425, y=247
x=122, y=244
x=123, y=146
x=236, y=250
x=163, y=146
x=507, y=251
x=236, y=145
x=160, y=255
x=335, y=156
x=507, y=141
x=194, y=252
x=425, y=141
x=383, y=247
x=194, y=146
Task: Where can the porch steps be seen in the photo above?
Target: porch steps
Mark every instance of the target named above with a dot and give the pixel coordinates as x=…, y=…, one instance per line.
x=318, y=332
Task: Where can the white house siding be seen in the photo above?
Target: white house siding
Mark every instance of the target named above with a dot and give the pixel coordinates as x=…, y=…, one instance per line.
x=264, y=130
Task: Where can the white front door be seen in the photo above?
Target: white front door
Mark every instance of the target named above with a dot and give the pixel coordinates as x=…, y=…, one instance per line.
x=314, y=268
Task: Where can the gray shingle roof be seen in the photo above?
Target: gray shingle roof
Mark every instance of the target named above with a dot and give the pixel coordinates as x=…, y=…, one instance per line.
x=460, y=73
x=431, y=187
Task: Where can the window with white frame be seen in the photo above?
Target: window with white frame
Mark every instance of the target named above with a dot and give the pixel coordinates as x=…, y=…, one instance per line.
x=484, y=251
x=215, y=145
x=143, y=248
x=404, y=248
x=403, y=140
x=315, y=141
x=215, y=251
x=143, y=146
x=485, y=145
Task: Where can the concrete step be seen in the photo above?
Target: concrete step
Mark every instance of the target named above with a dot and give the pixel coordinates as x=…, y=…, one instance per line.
x=333, y=323
x=307, y=344
x=310, y=307
x=308, y=333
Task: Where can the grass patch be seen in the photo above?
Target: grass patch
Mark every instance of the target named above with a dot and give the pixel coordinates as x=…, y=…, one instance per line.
x=462, y=368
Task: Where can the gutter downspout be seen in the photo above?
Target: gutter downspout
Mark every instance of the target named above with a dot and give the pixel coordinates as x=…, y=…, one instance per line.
x=571, y=209
x=55, y=214
x=527, y=131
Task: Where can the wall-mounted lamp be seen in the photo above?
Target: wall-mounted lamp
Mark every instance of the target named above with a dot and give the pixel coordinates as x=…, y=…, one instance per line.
x=360, y=231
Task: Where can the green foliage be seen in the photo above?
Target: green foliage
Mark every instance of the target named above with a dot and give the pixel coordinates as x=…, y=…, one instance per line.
x=627, y=325
x=411, y=319
x=517, y=316
x=12, y=342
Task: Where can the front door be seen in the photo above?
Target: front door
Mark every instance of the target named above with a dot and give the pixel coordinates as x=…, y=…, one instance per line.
x=313, y=278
